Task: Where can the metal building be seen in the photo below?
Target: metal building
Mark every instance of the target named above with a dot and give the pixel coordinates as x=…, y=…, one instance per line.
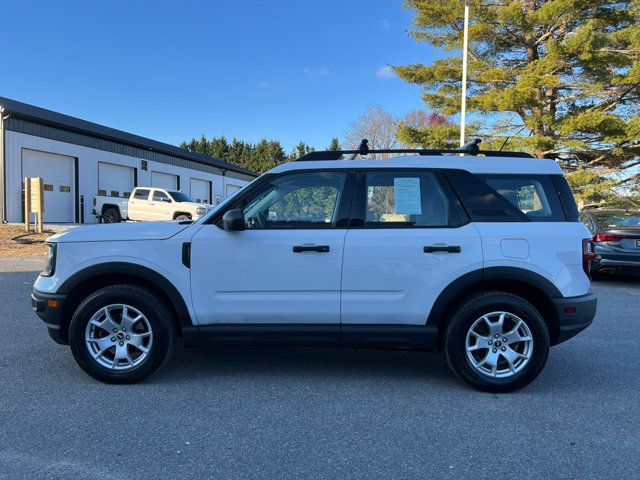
x=78, y=159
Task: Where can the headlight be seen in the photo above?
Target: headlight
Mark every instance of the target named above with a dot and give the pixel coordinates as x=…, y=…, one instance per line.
x=51, y=260
x=201, y=210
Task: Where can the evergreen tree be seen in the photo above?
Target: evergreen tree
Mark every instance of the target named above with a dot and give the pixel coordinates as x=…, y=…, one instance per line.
x=563, y=76
x=219, y=148
x=300, y=150
x=334, y=145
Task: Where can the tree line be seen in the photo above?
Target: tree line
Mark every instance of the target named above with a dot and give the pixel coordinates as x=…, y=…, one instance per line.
x=258, y=157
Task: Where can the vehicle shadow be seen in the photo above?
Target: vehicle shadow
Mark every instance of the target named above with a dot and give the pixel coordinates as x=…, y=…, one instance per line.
x=305, y=363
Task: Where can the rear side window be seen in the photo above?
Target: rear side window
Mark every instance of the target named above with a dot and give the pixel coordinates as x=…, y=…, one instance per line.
x=141, y=194
x=533, y=195
x=407, y=199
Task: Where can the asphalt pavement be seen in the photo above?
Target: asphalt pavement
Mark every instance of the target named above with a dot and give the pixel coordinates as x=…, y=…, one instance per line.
x=317, y=413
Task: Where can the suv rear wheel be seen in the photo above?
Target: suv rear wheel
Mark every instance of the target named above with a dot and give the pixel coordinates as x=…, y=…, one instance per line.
x=497, y=342
x=122, y=334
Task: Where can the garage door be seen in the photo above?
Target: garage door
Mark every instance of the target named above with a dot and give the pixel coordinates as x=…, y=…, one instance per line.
x=57, y=172
x=164, y=180
x=115, y=180
x=201, y=190
x=231, y=189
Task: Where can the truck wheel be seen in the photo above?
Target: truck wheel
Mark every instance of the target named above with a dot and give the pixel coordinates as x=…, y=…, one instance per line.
x=111, y=215
x=122, y=334
x=497, y=342
x=183, y=216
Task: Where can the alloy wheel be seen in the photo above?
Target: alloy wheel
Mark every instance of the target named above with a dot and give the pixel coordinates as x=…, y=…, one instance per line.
x=499, y=344
x=119, y=337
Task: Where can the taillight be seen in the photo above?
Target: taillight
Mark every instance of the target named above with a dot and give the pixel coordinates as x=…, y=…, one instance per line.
x=607, y=237
x=94, y=201
x=587, y=256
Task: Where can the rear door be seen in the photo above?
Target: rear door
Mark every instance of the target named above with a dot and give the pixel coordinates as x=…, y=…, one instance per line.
x=409, y=239
x=138, y=205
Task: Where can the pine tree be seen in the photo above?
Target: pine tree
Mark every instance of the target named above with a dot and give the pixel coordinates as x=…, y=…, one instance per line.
x=561, y=78
x=300, y=150
x=334, y=145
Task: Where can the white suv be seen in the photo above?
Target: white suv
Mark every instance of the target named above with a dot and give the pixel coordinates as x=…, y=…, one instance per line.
x=482, y=257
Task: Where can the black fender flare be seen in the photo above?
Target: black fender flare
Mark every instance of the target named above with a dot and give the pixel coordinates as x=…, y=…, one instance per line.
x=131, y=270
x=474, y=277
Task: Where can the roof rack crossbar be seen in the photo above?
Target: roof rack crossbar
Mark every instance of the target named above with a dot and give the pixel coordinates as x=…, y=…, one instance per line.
x=471, y=148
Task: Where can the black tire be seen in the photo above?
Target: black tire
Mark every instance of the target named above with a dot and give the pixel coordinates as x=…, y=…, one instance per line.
x=183, y=216
x=463, y=319
x=160, y=319
x=111, y=215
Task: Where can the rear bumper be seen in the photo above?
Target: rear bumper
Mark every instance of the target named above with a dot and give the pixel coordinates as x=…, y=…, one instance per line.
x=574, y=314
x=48, y=307
x=624, y=266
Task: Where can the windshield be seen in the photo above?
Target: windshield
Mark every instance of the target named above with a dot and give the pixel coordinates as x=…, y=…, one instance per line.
x=227, y=200
x=617, y=219
x=180, y=197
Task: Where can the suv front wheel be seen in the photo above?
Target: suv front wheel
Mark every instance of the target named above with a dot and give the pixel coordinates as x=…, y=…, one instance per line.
x=122, y=334
x=497, y=342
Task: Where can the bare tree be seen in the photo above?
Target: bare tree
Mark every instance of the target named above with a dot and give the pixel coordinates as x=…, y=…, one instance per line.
x=376, y=125
x=423, y=119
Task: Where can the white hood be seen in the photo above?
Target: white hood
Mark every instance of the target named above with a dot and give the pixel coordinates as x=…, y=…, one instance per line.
x=120, y=232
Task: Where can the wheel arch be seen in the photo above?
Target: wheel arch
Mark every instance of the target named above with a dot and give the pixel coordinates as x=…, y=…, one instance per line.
x=86, y=281
x=110, y=205
x=529, y=285
x=177, y=214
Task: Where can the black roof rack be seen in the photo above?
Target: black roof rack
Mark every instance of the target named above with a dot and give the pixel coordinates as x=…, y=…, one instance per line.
x=471, y=148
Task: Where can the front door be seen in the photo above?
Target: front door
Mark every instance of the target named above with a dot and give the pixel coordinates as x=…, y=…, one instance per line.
x=286, y=267
x=161, y=206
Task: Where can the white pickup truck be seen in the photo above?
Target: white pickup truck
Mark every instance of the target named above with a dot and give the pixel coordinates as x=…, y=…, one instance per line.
x=148, y=204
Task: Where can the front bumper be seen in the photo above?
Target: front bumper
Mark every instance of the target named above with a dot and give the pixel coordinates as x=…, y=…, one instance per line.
x=48, y=307
x=574, y=314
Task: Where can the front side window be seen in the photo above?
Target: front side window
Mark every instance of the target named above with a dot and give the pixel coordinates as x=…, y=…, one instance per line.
x=406, y=199
x=141, y=194
x=301, y=200
x=159, y=196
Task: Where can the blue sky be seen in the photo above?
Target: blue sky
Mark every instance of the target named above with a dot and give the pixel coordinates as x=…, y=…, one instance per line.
x=171, y=70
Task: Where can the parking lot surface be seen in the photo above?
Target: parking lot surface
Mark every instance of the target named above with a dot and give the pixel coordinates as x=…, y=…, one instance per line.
x=317, y=413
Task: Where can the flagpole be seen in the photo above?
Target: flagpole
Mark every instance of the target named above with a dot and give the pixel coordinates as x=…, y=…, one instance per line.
x=465, y=42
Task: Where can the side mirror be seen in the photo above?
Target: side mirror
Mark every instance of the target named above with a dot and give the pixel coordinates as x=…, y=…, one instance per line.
x=233, y=220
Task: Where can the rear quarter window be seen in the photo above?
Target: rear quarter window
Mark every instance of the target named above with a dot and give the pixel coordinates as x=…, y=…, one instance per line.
x=533, y=195
x=141, y=194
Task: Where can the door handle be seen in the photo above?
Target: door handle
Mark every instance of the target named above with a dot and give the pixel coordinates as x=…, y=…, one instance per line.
x=310, y=248
x=448, y=249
